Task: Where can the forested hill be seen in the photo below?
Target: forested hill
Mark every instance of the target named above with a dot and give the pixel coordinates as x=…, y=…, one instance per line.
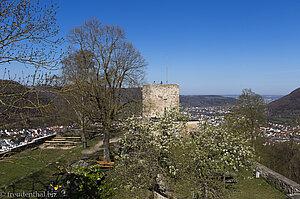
x=21, y=104
x=205, y=100
x=287, y=107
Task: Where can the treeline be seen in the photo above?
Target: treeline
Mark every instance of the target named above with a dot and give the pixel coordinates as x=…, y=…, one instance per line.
x=283, y=158
x=205, y=100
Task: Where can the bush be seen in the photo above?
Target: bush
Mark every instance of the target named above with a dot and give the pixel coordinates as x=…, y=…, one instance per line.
x=88, y=182
x=156, y=157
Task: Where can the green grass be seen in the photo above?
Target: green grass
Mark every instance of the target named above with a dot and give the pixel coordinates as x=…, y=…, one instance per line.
x=249, y=187
x=33, y=170
x=21, y=164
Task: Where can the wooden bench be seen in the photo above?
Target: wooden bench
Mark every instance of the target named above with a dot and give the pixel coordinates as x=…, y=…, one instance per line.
x=61, y=141
x=228, y=179
x=59, y=145
x=78, y=139
x=105, y=164
x=111, y=157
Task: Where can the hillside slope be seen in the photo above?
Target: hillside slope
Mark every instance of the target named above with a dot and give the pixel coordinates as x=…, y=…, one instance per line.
x=205, y=100
x=20, y=104
x=286, y=108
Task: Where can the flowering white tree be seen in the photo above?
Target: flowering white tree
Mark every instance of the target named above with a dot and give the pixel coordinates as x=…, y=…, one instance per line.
x=156, y=157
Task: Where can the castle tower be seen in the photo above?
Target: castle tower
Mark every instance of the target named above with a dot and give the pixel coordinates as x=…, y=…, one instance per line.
x=159, y=97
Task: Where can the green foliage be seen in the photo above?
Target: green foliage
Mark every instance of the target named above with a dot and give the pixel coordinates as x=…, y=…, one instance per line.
x=145, y=153
x=250, y=109
x=88, y=182
x=283, y=158
x=156, y=156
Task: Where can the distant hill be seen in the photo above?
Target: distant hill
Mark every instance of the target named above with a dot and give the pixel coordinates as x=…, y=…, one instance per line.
x=17, y=102
x=21, y=99
x=286, y=108
x=205, y=100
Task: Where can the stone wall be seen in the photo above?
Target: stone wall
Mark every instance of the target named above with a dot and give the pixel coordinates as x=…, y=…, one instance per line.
x=278, y=180
x=26, y=146
x=159, y=97
x=192, y=126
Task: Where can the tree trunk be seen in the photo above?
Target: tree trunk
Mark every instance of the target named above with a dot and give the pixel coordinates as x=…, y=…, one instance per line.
x=106, y=152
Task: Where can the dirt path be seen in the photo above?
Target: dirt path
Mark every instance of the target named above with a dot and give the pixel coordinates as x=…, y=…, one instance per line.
x=98, y=146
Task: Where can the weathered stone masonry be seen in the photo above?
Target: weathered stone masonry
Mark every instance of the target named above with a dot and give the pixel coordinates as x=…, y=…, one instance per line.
x=159, y=97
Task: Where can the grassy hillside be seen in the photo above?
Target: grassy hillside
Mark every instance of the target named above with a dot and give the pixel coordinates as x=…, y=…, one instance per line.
x=249, y=187
x=33, y=170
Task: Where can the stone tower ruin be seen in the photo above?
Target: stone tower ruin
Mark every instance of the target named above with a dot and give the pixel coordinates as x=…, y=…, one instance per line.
x=159, y=97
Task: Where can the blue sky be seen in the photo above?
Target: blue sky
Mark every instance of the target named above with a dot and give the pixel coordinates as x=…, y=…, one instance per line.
x=213, y=46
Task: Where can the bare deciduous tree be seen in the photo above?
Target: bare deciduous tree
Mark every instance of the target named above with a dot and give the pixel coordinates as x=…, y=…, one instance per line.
x=28, y=35
x=76, y=68
x=28, y=32
x=108, y=66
